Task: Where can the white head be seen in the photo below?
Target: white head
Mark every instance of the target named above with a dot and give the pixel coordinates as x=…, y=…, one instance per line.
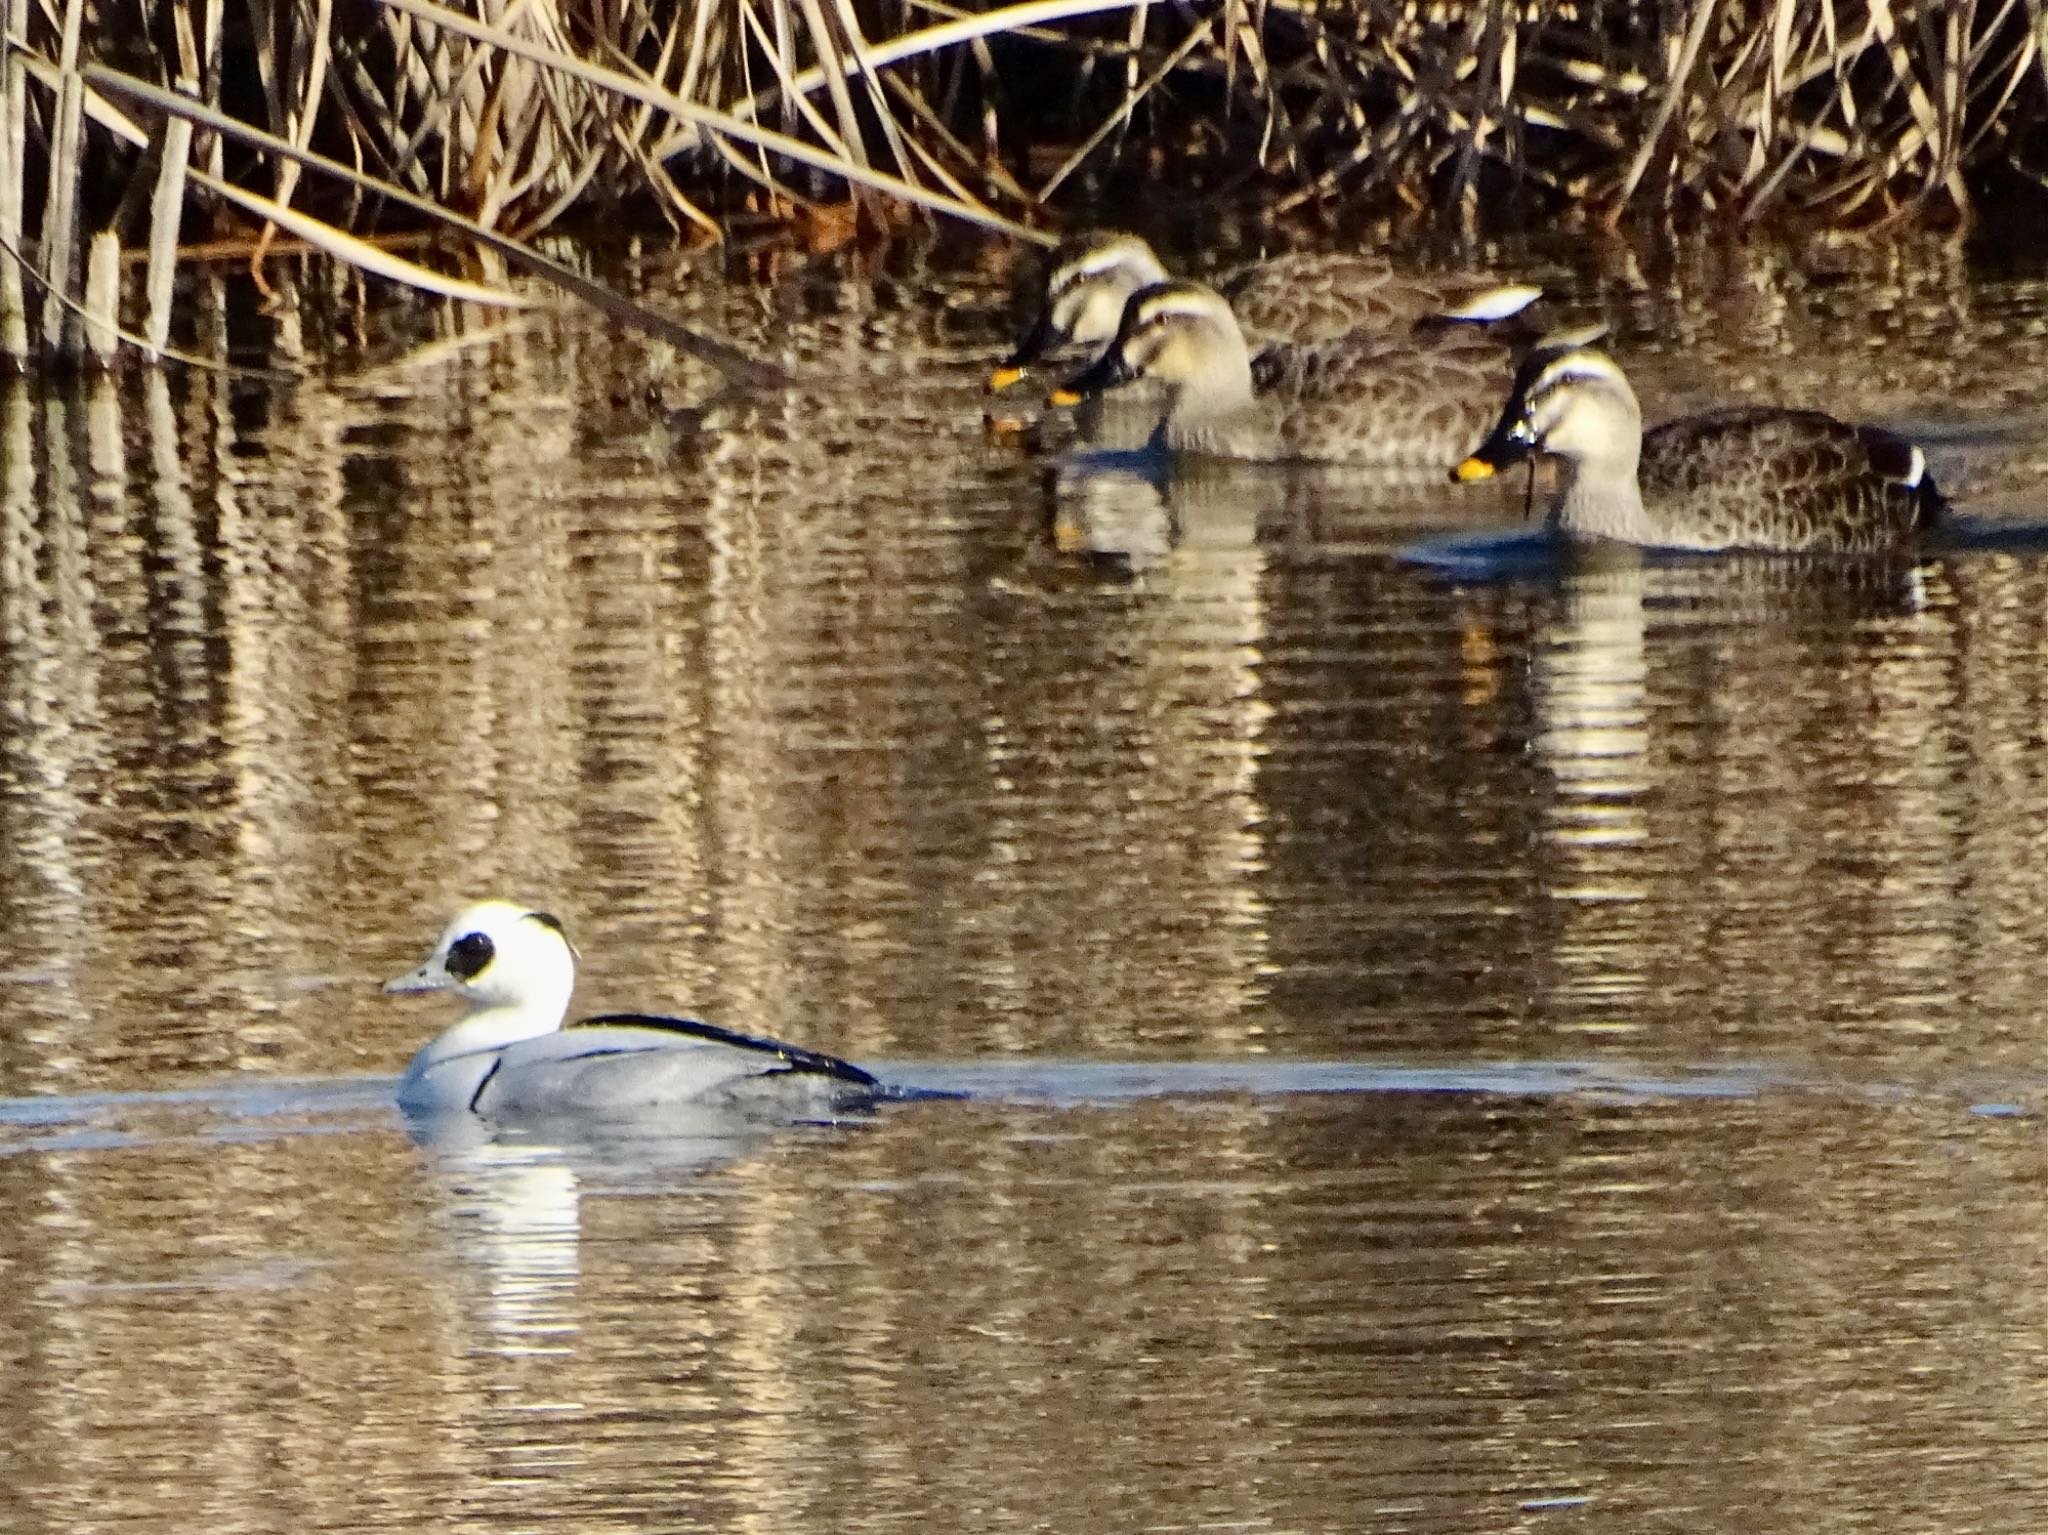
x=502, y=958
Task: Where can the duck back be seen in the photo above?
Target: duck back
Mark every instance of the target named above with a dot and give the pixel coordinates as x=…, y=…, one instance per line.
x=1397, y=401
x=625, y=1064
x=1796, y=480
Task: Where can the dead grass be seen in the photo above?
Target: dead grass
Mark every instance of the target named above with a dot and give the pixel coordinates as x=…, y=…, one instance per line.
x=842, y=114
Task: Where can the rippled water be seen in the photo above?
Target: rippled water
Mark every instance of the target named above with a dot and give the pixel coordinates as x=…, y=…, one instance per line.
x=1444, y=1049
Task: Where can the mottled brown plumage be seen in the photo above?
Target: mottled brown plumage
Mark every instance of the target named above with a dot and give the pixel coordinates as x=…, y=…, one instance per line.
x=1303, y=298
x=1758, y=477
x=1786, y=479
x=1309, y=298
x=1368, y=398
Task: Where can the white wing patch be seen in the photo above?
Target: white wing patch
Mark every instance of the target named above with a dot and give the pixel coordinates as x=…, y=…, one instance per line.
x=1495, y=303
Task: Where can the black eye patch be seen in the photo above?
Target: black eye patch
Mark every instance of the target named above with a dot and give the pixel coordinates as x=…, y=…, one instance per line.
x=468, y=955
x=549, y=920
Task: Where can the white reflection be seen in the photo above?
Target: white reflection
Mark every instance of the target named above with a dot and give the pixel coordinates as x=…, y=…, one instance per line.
x=1591, y=697
x=1111, y=513
x=1127, y=506
x=516, y=1212
x=1592, y=704
x=515, y=1201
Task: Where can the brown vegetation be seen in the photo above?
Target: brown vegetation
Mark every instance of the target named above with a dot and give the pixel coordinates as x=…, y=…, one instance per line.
x=846, y=112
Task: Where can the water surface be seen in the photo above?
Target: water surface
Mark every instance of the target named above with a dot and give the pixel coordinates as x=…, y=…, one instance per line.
x=1445, y=1050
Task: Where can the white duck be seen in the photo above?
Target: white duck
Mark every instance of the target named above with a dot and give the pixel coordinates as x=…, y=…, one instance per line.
x=513, y=1056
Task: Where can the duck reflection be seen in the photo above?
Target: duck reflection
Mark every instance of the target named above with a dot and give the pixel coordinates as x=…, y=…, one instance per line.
x=1122, y=736
x=1589, y=688
x=1622, y=704
x=1590, y=675
x=512, y=1199
x=1126, y=511
x=514, y=1210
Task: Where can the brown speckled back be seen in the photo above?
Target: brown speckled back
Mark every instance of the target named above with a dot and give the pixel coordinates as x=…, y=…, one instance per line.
x=1405, y=401
x=1774, y=478
x=1309, y=299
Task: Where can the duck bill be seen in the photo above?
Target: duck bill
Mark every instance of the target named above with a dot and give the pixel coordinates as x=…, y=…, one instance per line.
x=1109, y=371
x=1502, y=450
x=429, y=977
x=1040, y=341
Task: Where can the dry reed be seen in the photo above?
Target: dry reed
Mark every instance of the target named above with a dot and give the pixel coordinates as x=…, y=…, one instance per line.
x=1807, y=111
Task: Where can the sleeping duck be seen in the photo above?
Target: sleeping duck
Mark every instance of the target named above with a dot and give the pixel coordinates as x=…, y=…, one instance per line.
x=512, y=1055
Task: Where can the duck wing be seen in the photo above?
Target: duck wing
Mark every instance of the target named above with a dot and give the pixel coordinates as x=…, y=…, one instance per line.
x=1309, y=298
x=1400, y=401
x=1774, y=478
x=783, y=1056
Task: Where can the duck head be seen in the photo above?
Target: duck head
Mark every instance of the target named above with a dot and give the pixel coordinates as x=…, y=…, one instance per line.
x=1091, y=278
x=1568, y=400
x=501, y=957
x=1180, y=333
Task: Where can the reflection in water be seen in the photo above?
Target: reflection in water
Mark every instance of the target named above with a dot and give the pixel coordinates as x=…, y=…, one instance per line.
x=820, y=719
x=1593, y=711
x=1590, y=670
x=513, y=1197
x=1137, y=509
x=514, y=1211
x=1122, y=742
x=1643, y=1304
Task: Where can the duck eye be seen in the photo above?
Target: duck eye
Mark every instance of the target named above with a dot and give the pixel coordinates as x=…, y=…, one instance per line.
x=468, y=955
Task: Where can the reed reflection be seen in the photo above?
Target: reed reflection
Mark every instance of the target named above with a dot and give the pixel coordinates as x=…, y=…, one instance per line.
x=809, y=726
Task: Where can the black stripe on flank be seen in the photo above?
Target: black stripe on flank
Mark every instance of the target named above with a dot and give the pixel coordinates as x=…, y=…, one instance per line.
x=793, y=1058
x=478, y=1096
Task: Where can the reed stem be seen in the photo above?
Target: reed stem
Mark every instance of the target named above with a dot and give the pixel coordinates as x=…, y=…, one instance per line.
x=13, y=167
x=60, y=205
x=101, y=321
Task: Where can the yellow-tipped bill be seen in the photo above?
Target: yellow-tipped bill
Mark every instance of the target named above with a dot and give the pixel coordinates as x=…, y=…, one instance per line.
x=1063, y=396
x=1003, y=378
x=1473, y=468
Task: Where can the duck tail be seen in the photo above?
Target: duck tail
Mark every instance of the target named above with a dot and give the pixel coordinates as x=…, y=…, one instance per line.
x=892, y=1092
x=1904, y=463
